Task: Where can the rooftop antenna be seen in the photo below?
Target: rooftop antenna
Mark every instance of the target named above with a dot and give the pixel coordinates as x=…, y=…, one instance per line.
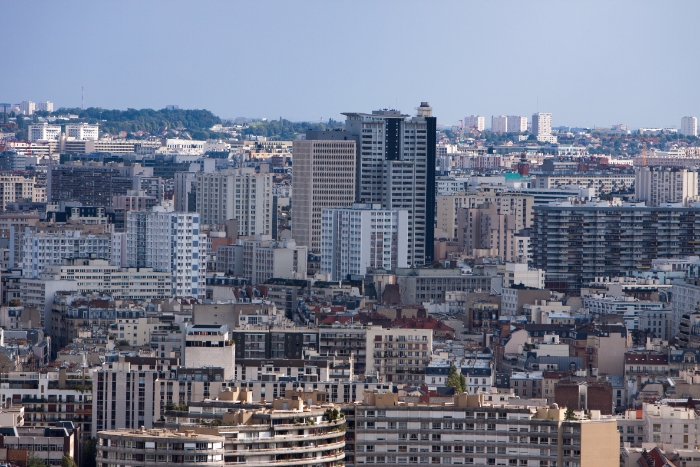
x=82, y=97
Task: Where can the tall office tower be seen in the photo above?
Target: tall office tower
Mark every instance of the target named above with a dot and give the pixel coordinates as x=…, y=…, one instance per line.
x=658, y=185
x=169, y=241
x=542, y=124
x=689, y=126
x=45, y=106
x=365, y=236
x=499, y=124
x=27, y=107
x=475, y=122
x=396, y=168
x=238, y=194
x=83, y=131
x=323, y=178
x=517, y=124
x=44, y=132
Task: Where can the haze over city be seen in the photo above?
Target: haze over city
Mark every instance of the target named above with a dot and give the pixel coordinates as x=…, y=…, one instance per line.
x=592, y=63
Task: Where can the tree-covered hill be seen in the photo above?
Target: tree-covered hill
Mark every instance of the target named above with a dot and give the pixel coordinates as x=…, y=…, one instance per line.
x=284, y=130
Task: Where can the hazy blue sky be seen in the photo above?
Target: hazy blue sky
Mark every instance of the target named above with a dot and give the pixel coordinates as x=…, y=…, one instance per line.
x=588, y=62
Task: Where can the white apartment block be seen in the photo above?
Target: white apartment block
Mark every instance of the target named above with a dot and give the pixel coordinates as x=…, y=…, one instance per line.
x=184, y=146
x=50, y=249
x=365, y=236
x=689, y=126
x=499, y=124
x=16, y=188
x=640, y=315
x=396, y=169
x=207, y=345
x=659, y=185
x=169, y=242
x=83, y=131
x=45, y=106
x=541, y=124
x=476, y=122
x=602, y=183
x=517, y=124
x=323, y=178
x=686, y=298
x=262, y=258
x=44, y=132
x=398, y=355
x=238, y=194
x=27, y=107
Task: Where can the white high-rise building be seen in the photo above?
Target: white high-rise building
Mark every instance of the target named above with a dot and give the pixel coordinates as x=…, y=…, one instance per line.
x=27, y=107
x=238, y=194
x=365, y=236
x=499, y=124
x=169, y=241
x=517, y=124
x=46, y=106
x=396, y=168
x=44, y=132
x=83, y=131
x=689, y=126
x=49, y=249
x=658, y=185
x=475, y=122
x=542, y=127
x=323, y=178
x=541, y=124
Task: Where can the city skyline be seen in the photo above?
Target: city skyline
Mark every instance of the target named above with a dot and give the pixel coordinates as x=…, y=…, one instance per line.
x=588, y=66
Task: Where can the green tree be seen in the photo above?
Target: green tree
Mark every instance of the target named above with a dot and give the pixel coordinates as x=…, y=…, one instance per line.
x=89, y=456
x=455, y=380
x=33, y=461
x=569, y=415
x=67, y=461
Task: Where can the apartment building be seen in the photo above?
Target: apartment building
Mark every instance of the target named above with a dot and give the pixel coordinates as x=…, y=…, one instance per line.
x=50, y=397
x=476, y=122
x=518, y=205
x=474, y=431
x=141, y=448
x=417, y=286
x=44, y=249
x=44, y=132
x=659, y=185
x=575, y=243
x=689, y=126
x=499, y=124
x=238, y=194
x=517, y=124
x=83, y=131
x=46, y=444
x=14, y=188
x=396, y=157
x=46, y=106
x=300, y=429
x=261, y=259
x=485, y=232
x=603, y=183
x=344, y=340
x=365, y=236
x=90, y=185
x=398, y=355
x=641, y=315
x=323, y=178
x=210, y=343
x=542, y=127
x=185, y=192
x=168, y=241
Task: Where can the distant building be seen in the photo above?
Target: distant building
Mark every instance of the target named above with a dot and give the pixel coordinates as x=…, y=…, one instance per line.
x=476, y=122
x=27, y=107
x=689, y=126
x=659, y=185
x=44, y=132
x=517, y=124
x=542, y=127
x=365, y=236
x=83, y=131
x=45, y=106
x=499, y=124
x=324, y=177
